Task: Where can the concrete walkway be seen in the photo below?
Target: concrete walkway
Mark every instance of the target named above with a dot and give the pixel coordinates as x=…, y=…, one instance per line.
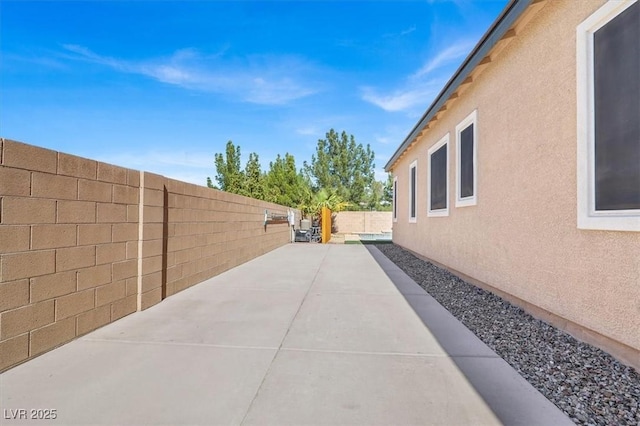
x=307, y=334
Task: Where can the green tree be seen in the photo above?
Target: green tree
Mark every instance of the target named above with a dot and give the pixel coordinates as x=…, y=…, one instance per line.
x=229, y=176
x=253, y=184
x=342, y=165
x=284, y=184
x=323, y=198
x=387, y=196
x=210, y=183
x=375, y=194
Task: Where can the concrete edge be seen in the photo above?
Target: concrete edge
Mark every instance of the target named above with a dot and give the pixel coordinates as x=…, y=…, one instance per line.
x=512, y=399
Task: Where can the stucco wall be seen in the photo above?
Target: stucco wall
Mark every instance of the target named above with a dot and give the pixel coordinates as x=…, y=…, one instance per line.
x=521, y=237
x=84, y=243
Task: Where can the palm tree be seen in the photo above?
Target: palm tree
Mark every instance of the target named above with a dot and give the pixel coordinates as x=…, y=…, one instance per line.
x=324, y=198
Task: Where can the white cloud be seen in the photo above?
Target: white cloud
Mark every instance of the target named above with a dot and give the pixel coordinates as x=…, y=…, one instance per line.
x=317, y=125
x=422, y=86
x=385, y=140
x=308, y=131
x=260, y=79
x=41, y=60
x=451, y=53
x=408, y=30
x=171, y=74
x=403, y=99
x=401, y=33
x=90, y=56
x=276, y=90
x=392, y=134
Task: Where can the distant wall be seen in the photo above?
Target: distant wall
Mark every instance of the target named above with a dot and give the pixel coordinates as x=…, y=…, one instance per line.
x=84, y=243
x=366, y=221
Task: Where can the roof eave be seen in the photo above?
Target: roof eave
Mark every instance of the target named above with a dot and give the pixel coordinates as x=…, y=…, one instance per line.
x=498, y=29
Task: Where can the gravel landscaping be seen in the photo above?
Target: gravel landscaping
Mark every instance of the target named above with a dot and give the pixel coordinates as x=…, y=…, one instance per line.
x=589, y=385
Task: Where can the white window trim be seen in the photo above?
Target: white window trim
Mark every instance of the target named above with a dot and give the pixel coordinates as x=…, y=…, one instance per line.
x=394, y=206
x=473, y=199
x=434, y=148
x=588, y=217
x=411, y=166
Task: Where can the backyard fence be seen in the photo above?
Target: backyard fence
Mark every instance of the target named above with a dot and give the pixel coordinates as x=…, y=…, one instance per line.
x=84, y=243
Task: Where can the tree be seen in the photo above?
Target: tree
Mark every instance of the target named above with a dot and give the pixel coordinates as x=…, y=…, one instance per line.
x=341, y=174
x=376, y=192
x=323, y=198
x=284, y=184
x=210, y=183
x=387, y=197
x=228, y=173
x=253, y=183
x=342, y=165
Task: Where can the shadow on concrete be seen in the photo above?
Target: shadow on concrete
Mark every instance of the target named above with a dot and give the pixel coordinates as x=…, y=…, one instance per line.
x=513, y=400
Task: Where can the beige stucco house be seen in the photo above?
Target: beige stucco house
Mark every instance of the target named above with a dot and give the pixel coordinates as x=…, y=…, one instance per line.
x=523, y=176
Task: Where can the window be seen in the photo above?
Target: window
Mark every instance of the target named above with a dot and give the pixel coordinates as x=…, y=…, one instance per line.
x=395, y=199
x=466, y=164
x=608, y=55
x=413, y=182
x=438, y=178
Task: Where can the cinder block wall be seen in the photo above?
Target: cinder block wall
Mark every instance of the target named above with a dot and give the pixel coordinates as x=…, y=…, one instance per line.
x=192, y=233
x=365, y=221
x=84, y=243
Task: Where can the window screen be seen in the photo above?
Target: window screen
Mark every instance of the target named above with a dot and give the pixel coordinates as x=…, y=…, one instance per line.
x=617, y=112
x=439, y=179
x=466, y=162
x=413, y=192
x=395, y=199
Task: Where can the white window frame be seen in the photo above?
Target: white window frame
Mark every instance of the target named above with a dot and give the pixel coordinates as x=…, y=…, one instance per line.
x=588, y=217
x=473, y=199
x=414, y=219
x=394, y=206
x=434, y=148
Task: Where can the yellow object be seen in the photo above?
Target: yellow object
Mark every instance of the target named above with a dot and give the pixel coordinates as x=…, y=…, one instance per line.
x=326, y=225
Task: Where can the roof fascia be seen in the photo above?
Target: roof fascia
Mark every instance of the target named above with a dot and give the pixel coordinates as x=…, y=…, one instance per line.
x=497, y=30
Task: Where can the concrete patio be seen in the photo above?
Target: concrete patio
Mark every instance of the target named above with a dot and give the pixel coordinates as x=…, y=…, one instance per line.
x=306, y=334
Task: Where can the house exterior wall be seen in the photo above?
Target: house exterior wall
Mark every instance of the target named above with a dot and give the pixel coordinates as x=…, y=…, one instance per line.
x=521, y=238
x=85, y=243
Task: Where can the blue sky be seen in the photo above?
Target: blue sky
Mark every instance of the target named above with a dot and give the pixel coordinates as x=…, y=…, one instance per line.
x=161, y=86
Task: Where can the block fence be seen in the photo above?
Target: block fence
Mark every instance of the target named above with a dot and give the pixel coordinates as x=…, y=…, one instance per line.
x=364, y=221
x=85, y=243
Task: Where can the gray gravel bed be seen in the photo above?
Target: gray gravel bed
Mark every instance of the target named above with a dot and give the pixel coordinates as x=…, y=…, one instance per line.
x=586, y=383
